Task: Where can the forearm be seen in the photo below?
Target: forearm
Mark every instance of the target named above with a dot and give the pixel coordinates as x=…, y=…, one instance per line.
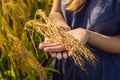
x=106, y=43
x=56, y=15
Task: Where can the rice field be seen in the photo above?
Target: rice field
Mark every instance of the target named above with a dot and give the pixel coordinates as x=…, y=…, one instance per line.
x=20, y=58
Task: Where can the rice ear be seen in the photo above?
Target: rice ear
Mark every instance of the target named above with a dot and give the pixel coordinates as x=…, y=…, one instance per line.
x=80, y=53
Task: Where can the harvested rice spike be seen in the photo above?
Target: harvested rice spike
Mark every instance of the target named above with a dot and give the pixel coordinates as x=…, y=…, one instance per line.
x=80, y=53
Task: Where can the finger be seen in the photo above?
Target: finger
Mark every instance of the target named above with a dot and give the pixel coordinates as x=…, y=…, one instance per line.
x=58, y=48
x=47, y=40
x=65, y=55
x=43, y=45
x=40, y=45
x=53, y=54
x=69, y=53
x=59, y=56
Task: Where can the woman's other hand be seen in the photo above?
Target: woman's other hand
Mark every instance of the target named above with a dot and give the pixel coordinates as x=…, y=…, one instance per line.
x=57, y=50
x=80, y=34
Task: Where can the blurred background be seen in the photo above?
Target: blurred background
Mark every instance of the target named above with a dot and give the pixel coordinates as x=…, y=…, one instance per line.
x=20, y=58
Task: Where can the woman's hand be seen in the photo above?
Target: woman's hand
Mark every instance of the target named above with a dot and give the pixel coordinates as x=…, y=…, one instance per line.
x=80, y=34
x=57, y=50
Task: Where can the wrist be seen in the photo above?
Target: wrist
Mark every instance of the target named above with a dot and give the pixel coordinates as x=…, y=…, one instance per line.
x=65, y=27
x=90, y=34
x=81, y=34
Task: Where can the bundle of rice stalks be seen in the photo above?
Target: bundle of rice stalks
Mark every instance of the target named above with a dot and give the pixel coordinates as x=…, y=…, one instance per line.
x=42, y=24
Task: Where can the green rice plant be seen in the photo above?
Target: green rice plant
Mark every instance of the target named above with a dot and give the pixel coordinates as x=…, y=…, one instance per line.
x=20, y=58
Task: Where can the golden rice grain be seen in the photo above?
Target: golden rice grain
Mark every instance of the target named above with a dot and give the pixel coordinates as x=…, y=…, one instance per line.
x=44, y=25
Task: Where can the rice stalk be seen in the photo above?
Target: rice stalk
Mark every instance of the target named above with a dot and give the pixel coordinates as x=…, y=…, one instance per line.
x=13, y=15
x=25, y=60
x=18, y=57
x=43, y=25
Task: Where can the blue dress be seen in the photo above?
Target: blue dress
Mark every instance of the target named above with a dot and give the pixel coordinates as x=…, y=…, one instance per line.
x=102, y=16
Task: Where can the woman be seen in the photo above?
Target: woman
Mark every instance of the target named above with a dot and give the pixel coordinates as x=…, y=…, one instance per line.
x=97, y=24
